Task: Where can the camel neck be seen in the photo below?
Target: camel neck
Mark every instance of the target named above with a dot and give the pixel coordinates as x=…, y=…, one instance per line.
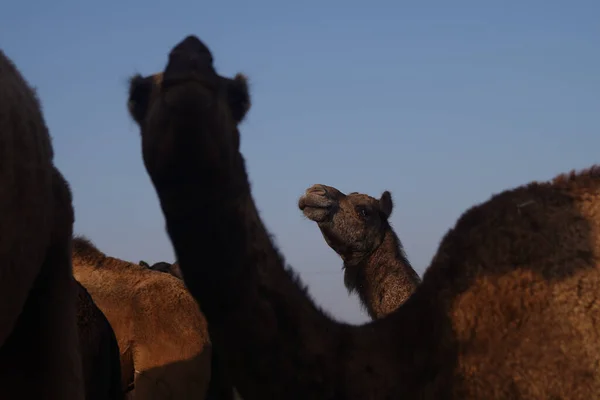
x=385, y=279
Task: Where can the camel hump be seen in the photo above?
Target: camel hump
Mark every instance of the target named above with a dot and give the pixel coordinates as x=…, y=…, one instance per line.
x=84, y=251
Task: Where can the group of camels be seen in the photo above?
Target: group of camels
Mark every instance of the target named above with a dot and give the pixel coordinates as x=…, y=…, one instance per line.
x=507, y=309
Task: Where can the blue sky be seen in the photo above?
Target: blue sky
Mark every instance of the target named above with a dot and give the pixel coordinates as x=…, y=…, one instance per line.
x=442, y=103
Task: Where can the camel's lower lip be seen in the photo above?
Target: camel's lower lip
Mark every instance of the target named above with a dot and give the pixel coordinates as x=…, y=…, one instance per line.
x=316, y=213
x=314, y=207
x=306, y=202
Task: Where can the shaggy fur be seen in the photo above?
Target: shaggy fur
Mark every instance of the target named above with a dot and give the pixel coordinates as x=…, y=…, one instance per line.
x=161, y=333
x=357, y=228
x=506, y=310
x=39, y=355
x=99, y=350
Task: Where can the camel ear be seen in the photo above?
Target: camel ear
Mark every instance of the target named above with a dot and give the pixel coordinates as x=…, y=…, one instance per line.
x=140, y=90
x=385, y=204
x=239, y=97
x=144, y=264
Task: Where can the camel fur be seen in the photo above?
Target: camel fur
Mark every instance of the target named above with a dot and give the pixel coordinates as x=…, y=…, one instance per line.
x=39, y=352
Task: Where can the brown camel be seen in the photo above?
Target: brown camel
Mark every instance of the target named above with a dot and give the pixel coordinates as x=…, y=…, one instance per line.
x=357, y=228
x=99, y=350
x=39, y=355
x=506, y=310
x=163, y=266
x=162, y=336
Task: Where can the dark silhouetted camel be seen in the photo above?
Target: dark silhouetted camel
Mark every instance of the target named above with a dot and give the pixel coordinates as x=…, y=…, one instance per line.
x=99, y=350
x=357, y=228
x=39, y=352
x=508, y=308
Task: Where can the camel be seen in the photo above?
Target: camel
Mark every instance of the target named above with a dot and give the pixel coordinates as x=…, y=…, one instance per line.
x=356, y=226
x=220, y=386
x=161, y=333
x=39, y=355
x=99, y=350
x=164, y=266
x=507, y=309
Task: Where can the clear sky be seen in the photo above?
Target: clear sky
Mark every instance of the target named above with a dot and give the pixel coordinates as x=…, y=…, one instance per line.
x=443, y=104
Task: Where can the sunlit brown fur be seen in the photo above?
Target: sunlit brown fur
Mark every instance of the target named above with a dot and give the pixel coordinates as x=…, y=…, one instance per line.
x=162, y=336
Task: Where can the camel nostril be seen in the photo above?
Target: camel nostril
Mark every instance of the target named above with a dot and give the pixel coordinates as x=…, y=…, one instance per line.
x=187, y=62
x=190, y=55
x=302, y=203
x=318, y=190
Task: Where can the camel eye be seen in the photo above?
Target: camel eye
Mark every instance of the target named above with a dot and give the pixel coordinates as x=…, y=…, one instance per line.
x=363, y=212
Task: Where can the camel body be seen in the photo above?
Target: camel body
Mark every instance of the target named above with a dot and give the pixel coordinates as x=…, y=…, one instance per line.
x=39, y=352
x=162, y=335
x=99, y=349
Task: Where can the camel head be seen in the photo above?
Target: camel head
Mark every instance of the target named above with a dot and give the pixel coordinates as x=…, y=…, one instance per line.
x=189, y=96
x=176, y=271
x=172, y=269
x=163, y=266
x=353, y=225
x=143, y=92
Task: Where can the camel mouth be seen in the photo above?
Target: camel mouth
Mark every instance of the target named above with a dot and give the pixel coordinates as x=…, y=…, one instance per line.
x=306, y=207
x=317, y=214
x=316, y=208
x=314, y=201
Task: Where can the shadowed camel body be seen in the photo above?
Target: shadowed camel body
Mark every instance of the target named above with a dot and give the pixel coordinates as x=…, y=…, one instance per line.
x=101, y=364
x=162, y=336
x=356, y=226
x=506, y=310
x=39, y=352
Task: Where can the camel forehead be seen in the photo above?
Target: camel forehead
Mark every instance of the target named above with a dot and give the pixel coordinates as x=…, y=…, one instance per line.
x=361, y=198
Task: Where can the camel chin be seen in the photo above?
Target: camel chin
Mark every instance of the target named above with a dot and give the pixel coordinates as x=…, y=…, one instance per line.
x=315, y=207
x=316, y=214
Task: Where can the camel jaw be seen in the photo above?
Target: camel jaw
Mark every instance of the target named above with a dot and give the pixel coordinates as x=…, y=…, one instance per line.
x=316, y=208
